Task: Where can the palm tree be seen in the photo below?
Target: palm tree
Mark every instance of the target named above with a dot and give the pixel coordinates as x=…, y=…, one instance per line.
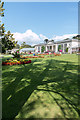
x=52, y=40
x=46, y=40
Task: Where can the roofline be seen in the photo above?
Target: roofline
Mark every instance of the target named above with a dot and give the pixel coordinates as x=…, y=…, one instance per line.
x=62, y=41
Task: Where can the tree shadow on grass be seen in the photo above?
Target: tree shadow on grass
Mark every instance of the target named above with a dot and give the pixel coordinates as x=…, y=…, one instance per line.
x=23, y=81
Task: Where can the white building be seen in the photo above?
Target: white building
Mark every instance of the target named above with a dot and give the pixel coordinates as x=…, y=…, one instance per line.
x=71, y=45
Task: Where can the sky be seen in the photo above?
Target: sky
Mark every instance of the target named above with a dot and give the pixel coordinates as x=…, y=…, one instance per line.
x=40, y=0
x=32, y=22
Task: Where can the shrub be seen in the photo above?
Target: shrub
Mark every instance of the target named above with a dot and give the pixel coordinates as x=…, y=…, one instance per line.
x=42, y=49
x=66, y=49
x=16, y=54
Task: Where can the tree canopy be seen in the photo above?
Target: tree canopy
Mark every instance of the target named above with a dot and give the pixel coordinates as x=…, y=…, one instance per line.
x=1, y=15
x=42, y=49
x=7, y=42
x=24, y=45
x=59, y=47
x=77, y=37
x=1, y=9
x=17, y=46
x=46, y=40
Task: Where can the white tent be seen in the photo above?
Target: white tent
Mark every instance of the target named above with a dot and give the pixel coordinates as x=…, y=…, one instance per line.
x=27, y=50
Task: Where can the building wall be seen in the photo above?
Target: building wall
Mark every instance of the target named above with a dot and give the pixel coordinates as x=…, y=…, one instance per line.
x=74, y=43
x=38, y=49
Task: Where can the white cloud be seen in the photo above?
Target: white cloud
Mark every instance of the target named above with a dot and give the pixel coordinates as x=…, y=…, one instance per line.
x=29, y=37
x=43, y=37
x=63, y=37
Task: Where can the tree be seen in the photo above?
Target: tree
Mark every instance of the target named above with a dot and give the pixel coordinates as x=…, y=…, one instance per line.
x=33, y=46
x=24, y=45
x=17, y=46
x=1, y=9
x=1, y=14
x=42, y=49
x=66, y=49
x=8, y=42
x=52, y=40
x=46, y=40
x=59, y=47
x=77, y=37
x=2, y=30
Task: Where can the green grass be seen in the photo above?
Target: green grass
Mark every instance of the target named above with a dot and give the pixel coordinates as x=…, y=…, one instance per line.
x=46, y=88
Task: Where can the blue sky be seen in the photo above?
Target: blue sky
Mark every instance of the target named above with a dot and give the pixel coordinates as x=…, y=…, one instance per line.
x=41, y=20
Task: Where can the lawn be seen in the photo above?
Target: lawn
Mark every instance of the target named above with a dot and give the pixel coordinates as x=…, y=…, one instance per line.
x=45, y=88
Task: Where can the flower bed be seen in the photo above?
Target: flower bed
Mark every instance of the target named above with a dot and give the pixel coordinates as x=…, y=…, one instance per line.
x=16, y=62
x=44, y=54
x=33, y=57
x=55, y=54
